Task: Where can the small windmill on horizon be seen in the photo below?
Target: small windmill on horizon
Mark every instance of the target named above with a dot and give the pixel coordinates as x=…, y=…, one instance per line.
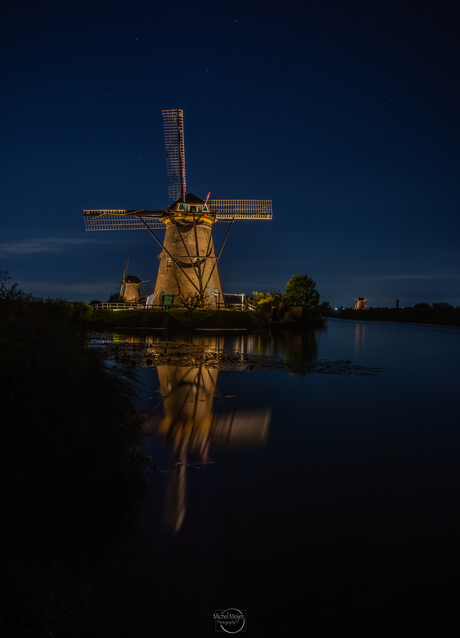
x=188, y=263
x=360, y=302
x=131, y=289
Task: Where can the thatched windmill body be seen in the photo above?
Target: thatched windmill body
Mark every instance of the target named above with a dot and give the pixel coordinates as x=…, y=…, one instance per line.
x=188, y=262
x=131, y=290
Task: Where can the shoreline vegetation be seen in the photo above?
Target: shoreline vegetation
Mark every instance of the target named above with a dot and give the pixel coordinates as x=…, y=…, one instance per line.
x=246, y=320
x=72, y=469
x=201, y=319
x=175, y=353
x=437, y=314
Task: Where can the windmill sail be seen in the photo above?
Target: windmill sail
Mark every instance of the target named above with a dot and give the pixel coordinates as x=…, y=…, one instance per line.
x=123, y=281
x=173, y=121
x=122, y=219
x=241, y=208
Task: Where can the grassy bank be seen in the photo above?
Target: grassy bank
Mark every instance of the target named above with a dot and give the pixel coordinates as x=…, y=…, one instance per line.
x=138, y=317
x=179, y=318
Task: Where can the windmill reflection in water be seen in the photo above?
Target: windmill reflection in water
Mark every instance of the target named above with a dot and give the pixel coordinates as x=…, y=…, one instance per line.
x=191, y=426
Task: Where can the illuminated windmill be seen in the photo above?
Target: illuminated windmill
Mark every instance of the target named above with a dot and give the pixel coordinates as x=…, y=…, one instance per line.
x=188, y=263
x=131, y=287
x=360, y=303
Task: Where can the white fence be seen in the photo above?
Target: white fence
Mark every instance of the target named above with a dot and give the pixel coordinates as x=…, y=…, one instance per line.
x=139, y=306
x=120, y=306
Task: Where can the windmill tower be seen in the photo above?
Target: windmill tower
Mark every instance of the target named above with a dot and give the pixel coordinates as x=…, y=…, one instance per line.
x=188, y=262
x=131, y=286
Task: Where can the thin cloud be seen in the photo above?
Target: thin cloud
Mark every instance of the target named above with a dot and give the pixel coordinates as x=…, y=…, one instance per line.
x=421, y=277
x=43, y=245
x=72, y=291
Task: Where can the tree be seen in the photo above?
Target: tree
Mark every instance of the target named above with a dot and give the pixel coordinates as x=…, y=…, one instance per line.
x=262, y=301
x=443, y=305
x=325, y=309
x=194, y=301
x=301, y=291
x=9, y=291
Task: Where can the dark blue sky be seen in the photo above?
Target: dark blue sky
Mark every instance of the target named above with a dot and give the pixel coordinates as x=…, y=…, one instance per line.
x=345, y=114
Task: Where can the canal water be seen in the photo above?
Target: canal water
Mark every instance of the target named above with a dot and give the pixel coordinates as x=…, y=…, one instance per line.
x=313, y=504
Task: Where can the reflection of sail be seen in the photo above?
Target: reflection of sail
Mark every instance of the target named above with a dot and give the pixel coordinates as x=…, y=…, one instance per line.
x=245, y=428
x=175, y=504
x=190, y=424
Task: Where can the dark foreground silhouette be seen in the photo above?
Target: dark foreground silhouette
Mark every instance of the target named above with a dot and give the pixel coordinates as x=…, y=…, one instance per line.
x=71, y=470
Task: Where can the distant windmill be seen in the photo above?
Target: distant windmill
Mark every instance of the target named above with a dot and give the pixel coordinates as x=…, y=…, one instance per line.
x=360, y=302
x=130, y=286
x=188, y=263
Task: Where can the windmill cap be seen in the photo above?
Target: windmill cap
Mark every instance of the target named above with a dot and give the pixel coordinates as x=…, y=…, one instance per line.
x=131, y=279
x=190, y=198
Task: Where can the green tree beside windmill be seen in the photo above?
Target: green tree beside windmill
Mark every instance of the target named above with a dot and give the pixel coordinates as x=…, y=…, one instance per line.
x=300, y=292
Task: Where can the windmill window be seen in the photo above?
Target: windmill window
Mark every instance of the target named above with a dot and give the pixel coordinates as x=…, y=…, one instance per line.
x=168, y=263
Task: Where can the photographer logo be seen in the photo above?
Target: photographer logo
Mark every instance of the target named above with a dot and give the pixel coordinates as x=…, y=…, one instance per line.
x=230, y=621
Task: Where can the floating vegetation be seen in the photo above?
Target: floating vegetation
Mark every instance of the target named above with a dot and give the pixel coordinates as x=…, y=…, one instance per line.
x=143, y=355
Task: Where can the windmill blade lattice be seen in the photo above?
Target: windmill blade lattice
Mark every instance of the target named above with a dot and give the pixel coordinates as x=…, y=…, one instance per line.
x=173, y=122
x=241, y=208
x=123, y=281
x=123, y=219
x=125, y=272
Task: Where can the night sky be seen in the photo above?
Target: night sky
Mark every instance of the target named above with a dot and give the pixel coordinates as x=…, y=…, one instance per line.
x=344, y=113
